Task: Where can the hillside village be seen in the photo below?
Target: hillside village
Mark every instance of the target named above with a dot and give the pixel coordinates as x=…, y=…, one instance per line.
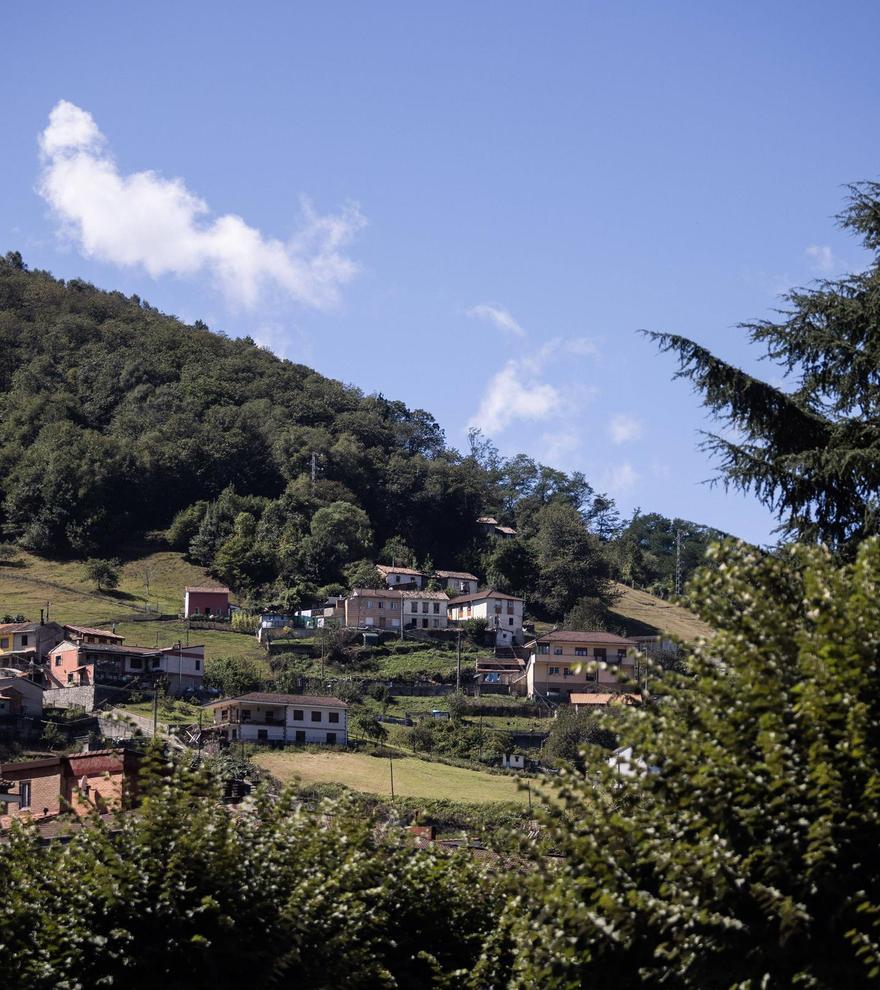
x=52, y=670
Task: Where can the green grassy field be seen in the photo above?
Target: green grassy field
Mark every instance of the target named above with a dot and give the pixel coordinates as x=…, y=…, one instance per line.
x=412, y=777
x=644, y=614
x=27, y=585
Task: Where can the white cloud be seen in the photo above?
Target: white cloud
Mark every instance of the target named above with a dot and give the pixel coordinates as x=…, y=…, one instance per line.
x=145, y=220
x=510, y=396
x=498, y=316
x=582, y=346
x=560, y=448
x=822, y=259
x=619, y=479
x=623, y=428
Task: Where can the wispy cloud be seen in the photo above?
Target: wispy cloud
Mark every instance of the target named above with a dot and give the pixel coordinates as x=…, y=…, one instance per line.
x=620, y=479
x=145, y=220
x=498, y=316
x=510, y=397
x=624, y=428
x=822, y=259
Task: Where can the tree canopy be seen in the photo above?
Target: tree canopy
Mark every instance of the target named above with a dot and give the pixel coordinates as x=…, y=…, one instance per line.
x=809, y=448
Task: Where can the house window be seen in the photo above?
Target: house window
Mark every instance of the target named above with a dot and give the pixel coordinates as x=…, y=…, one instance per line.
x=424, y=623
x=270, y=716
x=580, y=652
x=425, y=607
x=392, y=605
x=553, y=670
x=414, y=607
x=24, y=789
x=331, y=738
x=4, y=643
x=300, y=736
x=510, y=622
x=135, y=663
x=333, y=717
x=245, y=715
x=156, y=662
x=599, y=654
x=198, y=664
x=543, y=648
x=298, y=715
x=436, y=608
x=436, y=623
x=566, y=671
x=262, y=735
x=70, y=677
x=58, y=661
x=369, y=603
x=224, y=714
x=316, y=716
x=24, y=640
x=621, y=655
x=380, y=604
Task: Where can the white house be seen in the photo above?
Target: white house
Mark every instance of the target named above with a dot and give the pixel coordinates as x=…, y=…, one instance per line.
x=282, y=719
x=402, y=577
x=503, y=614
x=461, y=582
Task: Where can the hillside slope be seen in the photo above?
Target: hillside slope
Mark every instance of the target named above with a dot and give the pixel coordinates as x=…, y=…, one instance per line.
x=644, y=614
x=33, y=583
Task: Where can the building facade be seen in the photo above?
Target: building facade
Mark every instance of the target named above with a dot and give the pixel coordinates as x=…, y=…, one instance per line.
x=282, y=719
x=503, y=614
x=81, y=783
x=378, y=608
x=28, y=641
x=206, y=602
x=565, y=662
x=76, y=664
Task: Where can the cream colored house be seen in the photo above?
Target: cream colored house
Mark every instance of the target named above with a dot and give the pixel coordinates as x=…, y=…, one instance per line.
x=566, y=662
x=503, y=614
x=372, y=608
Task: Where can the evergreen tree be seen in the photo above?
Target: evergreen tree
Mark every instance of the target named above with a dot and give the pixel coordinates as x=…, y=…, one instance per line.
x=809, y=450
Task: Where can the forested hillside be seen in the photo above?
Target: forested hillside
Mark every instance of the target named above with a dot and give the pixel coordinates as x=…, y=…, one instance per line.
x=117, y=420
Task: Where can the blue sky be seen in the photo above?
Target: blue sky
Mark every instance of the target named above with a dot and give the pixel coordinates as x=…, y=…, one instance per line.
x=470, y=207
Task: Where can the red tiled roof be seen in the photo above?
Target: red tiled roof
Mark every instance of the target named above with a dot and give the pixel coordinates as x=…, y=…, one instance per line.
x=480, y=595
x=463, y=575
x=92, y=631
x=14, y=627
x=582, y=636
x=488, y=520
x=218, y=591
x=506, y=529
x=384, y=569
x=261, y=698
x=116, y=648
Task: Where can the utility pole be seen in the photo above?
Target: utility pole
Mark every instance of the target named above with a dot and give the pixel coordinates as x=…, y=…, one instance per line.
x=401, y=617
x=391, y=767
x=677, y=561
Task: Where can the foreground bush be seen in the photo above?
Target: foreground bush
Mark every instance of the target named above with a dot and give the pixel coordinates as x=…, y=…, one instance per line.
x=185, y=895
x=747, y=855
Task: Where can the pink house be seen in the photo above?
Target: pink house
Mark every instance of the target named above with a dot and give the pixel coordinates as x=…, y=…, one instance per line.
x=206, y=601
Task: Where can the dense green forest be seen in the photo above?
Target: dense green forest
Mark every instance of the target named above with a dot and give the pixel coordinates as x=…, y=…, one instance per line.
x=117, y=420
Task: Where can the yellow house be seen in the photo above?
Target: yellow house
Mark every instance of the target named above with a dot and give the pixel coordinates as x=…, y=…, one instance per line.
x=572, y=661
